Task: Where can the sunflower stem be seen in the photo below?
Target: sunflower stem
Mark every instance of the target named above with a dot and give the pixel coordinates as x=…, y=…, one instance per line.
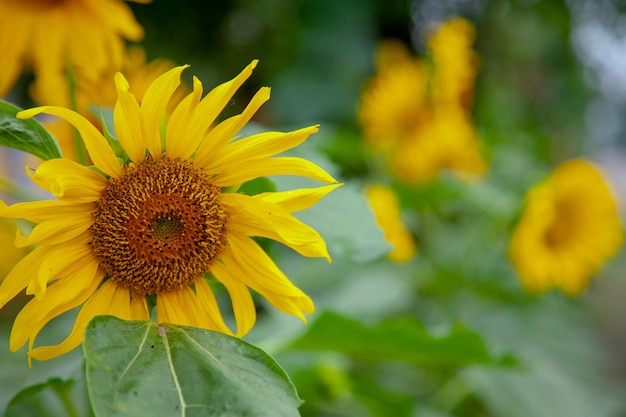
x=63, y=391
x=81, y=156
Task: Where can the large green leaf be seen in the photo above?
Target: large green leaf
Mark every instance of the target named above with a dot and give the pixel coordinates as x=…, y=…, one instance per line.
x=141, y=368
x=25, y=135
x=403, y=339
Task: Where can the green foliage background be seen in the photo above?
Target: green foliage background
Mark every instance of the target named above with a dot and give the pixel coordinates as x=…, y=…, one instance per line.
x=451, y=333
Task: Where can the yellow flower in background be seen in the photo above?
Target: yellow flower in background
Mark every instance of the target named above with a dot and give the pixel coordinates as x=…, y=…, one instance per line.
x=394, y=99
x=11, y=255
x=101, y=92
x=156, y=224
x=455, y=63
x=48, y=35
x=386, y=208
x=569, y=228
x=418, y=115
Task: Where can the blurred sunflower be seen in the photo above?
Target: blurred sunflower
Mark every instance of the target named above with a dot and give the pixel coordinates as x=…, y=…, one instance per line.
x=101, y=92
x=49, y=35
x=153, y=220
x=418, y=114
x=569, y=228
x=386, y=208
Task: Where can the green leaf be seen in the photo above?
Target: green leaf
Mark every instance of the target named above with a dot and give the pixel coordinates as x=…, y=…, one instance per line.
x=54, y=397
x=404, y=339
x=25, y=135
x=141, y=368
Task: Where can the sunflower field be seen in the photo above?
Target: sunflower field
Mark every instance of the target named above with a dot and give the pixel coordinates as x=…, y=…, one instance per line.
x=316, y=208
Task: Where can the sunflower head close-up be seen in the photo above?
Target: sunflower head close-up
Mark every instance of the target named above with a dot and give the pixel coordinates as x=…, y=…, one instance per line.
x=48, y=36
x=157, y=218
x=569, y=228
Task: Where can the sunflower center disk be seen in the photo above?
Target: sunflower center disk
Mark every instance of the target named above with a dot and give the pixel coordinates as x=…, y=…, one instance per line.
x=159, y=227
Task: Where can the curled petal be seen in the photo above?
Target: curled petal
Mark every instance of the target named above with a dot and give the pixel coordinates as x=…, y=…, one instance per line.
x=97, y=146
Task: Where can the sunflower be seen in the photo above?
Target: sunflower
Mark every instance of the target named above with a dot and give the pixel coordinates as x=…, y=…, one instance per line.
x=418, y=115
x=151, y=222
x=455, y=63
x=569, y=228
x=386, y=208
x=47, y=35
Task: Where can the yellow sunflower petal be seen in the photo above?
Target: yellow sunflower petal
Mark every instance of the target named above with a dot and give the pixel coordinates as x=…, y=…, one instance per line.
x=62, y=296
x=139, y=308
x=99, y=150
x=183, y=138
x=215, y=101
x=121, y=15
x=127, y=119
x=41, y=211
x=251, y=265
x=255, y=217
x=242, y=171
x=207, y=301
x=68, y=180
x=261, y=145
x=296, y=200
x=243, y=305
x=226, y=130
x=59, y=258
x=179, y=141
x=109, y=300
x=153, y=106
x=22, y=274
x=56, y=231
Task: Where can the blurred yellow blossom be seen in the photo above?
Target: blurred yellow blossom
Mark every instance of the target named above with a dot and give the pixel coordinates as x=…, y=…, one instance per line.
x=418, y=114
x=101, y=92
x=48, y=35
x=386, y=208
x=569, y=228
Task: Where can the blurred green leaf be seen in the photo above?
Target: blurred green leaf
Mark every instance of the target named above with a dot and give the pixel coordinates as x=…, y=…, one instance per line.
x=18, y=382
x=403, y=339
x=54, y=397
x=257, y=186
x=140, y=368
x=25, y=135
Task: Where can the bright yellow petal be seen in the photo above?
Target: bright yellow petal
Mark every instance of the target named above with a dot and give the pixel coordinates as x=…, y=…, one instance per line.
x=243, y=305
x=56, y=231
x=99, y=150
x=153, y=106
x=61, y=297
x=246, y=170
x=59, y=258
x=22, y=274
x=254, y=217
x=184, y=138
x=207, y=301
x=183, y=307
x=179, y=139
x=261, y=145
x=68, y=180
x=226, y=130
x=139, y=308
x=246, y=261
x=296, y=200
x=128, y=121
x=109, y=300
x=45, y=210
